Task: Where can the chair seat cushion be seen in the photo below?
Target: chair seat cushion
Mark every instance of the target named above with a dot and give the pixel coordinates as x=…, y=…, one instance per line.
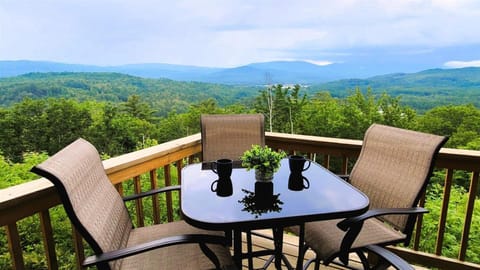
x=183, y=256
x=324, y=237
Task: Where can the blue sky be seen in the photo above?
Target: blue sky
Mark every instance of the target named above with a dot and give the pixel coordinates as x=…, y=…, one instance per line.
x=228, y=33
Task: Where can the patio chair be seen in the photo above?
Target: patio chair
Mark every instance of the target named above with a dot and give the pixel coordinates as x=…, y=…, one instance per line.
x=229, y=135
x=99, y=214
x=393, y=170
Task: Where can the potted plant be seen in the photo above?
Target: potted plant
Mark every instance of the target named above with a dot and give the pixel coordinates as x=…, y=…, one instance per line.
x=263, y=160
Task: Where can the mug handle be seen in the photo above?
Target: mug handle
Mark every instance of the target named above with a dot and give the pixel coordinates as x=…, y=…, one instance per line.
x=309, y=163
x=214, y=189
x=306, y=184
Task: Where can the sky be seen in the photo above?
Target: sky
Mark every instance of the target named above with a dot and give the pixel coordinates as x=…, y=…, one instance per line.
x=229, y=33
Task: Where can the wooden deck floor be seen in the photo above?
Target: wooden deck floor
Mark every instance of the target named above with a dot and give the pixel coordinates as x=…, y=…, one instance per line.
x=290, y=249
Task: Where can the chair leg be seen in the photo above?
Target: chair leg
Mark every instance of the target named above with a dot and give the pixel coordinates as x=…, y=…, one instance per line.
x=317, y=264
x=388, y=258
x=315, y=261
x=363, y=259
x=210, y=254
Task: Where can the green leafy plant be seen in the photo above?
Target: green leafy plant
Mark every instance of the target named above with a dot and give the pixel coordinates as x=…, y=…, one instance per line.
x=262, y=159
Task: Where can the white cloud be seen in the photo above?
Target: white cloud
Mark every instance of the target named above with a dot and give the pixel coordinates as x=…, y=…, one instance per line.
x=462, y=64
x=226, y=32
x=318, y=63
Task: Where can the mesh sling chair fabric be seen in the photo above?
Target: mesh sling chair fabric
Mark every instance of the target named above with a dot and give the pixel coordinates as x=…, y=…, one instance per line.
x=229, y=135
x=99, y=214
x=393, y=169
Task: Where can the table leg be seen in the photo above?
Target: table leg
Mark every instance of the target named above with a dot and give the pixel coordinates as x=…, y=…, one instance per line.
x=249, y=249
x=237, y=248
x=301, y=244
x=278, y=243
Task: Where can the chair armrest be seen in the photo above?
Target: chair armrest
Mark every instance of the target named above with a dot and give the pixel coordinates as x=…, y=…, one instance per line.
x=390, y=257
x=150, y=193
x=354, y=225
x=201, y=239
x=349, y=222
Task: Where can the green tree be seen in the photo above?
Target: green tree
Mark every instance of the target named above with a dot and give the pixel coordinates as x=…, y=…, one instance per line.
x=136, y=108
x=64, y=121
x=12, y=173
x=192, y=116
x=115, y=132
x=41, y=125
x=174, y=126
x=295, y=104
x=265, y=103
x=322, y=116
x=461, y=123
x=360, y=111
x=394, y=114
x=282, y=107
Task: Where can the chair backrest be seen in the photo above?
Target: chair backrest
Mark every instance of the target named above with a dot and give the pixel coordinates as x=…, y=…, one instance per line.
x=394, y=168
x=230, y=135
x=93, y=205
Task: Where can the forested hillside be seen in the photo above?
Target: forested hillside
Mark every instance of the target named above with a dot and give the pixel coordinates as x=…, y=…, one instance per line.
x=421, y=91
x=161, y=94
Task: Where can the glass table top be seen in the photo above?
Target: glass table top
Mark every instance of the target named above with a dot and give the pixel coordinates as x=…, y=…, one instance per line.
x=316, y=195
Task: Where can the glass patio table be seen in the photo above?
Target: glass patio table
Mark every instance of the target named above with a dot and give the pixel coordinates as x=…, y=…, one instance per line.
x=317, y=194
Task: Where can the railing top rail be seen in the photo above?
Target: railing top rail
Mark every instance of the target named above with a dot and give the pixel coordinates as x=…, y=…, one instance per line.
x=16, y=195
x=29, y=190
x=460, y=159
x=313, y=139
x=119, y=163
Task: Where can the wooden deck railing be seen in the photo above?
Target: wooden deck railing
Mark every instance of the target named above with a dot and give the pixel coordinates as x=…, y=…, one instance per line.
x=142, y=168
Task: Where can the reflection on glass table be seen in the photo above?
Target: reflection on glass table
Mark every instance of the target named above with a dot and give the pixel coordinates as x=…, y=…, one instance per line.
x=258, y=203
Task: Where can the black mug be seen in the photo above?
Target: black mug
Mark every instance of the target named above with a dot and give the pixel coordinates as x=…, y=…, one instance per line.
x=223, y=167
x=297, y=164
x=223, y=187
x=298, y=182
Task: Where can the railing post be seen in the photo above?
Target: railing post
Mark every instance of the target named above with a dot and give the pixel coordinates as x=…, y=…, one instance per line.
x=153, y=185
x=418, y=226
x=48, y=242
x=137, y=186
x=179, y=178
x=15, y=247
x=168, y=182
x=444, y=210
x=119, y=188
x=79, y=249
x=179, y=164
x=468, y=216
x=344, y=169
x=326, y=161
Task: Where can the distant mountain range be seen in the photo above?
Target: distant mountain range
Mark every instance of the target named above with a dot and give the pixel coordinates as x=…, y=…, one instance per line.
x=421, y=90
x=284, y=72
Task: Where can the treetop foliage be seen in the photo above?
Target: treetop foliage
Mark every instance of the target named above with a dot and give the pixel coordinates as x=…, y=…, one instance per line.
x=161, y=94
x=33, y=128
